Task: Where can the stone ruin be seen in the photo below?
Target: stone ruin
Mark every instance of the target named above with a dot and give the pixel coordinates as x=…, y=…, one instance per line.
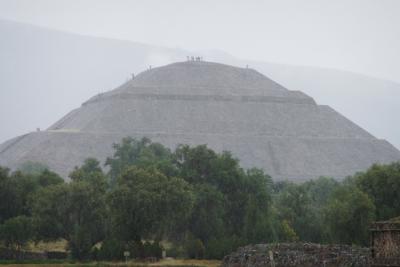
x=265, y=125
x=385, y=243
x=298, y=254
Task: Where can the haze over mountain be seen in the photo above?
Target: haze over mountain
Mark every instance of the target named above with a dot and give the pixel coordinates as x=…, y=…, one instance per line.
x=45, y=73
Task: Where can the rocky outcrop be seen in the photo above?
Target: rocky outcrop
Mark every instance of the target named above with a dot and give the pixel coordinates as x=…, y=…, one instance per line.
x=298, y=254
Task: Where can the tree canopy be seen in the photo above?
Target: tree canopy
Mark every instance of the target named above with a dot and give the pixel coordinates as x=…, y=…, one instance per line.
x=201, y=201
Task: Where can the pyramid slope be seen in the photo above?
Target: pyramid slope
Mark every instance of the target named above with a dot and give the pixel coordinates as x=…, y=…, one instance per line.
x=282, y=157
x=189, y=77
x=163, y=114
x=263, y=124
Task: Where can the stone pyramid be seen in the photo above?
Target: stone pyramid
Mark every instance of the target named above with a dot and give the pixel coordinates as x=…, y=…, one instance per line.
x=228, y=108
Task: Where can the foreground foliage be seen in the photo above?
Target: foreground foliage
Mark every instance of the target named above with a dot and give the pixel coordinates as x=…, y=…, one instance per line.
x=202, y=202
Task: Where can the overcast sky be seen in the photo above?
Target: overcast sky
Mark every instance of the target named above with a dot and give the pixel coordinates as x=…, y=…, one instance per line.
x=356, y=35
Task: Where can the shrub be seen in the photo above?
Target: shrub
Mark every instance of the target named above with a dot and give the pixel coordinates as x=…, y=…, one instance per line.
x=56, y=255
x=156, y=250
x=111, y=249
x=218, y=248
x=176, y=252
x=16, y=232
x=194, y=248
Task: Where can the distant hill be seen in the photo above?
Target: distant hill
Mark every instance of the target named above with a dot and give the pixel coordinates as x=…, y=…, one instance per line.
x=45, y=73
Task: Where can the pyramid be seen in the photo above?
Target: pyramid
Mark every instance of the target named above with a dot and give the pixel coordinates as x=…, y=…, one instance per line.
x=228, y=108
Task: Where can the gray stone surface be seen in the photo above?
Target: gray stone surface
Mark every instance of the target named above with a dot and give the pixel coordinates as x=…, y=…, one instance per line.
x=298, y=254
x=229, y=108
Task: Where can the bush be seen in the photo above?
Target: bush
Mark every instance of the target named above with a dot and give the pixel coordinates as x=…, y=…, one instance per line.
x=176, y=252
x=155, y=250
x=16, y=232
x=94, y=254
x=137, y=250
x=56, y=255
x=194, y=248
x=218, y=248
x=111, y=249
x=80, y=245
x=146, y=250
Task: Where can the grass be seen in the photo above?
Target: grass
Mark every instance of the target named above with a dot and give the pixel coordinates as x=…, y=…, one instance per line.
x=59, y=245
x=162, y=263
x=181, y=262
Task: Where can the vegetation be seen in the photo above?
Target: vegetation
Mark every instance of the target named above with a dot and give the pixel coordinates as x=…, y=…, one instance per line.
x=131, y=263
x=202, y=202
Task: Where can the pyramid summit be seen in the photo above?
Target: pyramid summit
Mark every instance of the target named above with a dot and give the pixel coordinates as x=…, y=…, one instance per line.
x=228, y=108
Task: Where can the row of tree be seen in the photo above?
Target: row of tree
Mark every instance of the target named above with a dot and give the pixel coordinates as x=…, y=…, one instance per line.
x=202, y=203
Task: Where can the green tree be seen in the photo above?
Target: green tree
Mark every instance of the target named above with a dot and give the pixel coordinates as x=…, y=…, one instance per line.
x=112, y=249
x=8, y=196
x=196, y=165
x=16, y=191
x=348, y=214
x=86, y=217
x=75, y=211
x=16, y=232
x=257, y=224
x=194, y=248
x=50, y=208
x=148, y=204
x=287, y=232
x=243, y=197
x=319, y=192
x=207, y=219
x=201, y=165
x=142, y=153
x=217, y=248
x=91, y=173
x=47, y=178
x=32, y=168
x=382, y=184
x=293, y=204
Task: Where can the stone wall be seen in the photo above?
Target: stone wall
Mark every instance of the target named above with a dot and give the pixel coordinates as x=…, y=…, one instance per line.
x=385, y=243
x=298, y=254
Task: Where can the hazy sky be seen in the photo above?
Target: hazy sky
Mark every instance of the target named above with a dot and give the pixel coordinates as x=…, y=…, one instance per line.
x=356, y=35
